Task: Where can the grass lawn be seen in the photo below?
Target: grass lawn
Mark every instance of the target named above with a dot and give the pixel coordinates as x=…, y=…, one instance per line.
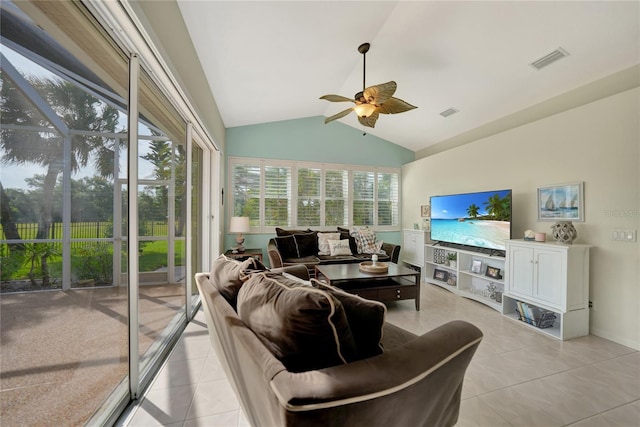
x=152, y=257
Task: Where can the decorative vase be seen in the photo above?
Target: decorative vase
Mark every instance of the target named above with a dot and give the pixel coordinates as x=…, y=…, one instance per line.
x=564, y=232
x=452, y=264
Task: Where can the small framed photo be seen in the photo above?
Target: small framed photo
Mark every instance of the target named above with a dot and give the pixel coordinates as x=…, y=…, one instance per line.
x=425, y=211
x=476, y=266
x=493, y=272
x=561, y=202
x=440, y=275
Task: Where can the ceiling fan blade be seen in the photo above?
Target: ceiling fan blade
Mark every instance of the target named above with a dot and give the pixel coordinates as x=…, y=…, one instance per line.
x=338, y=116
x=369, y=121
x=336, y=98
x=380, y=93
x=394, y=106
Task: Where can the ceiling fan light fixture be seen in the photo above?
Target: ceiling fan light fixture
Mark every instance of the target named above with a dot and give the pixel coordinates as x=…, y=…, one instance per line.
x=372, y=101
x=364, y=110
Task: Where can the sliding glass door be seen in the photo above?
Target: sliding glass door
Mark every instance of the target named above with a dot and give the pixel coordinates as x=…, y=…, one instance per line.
x=81, y=331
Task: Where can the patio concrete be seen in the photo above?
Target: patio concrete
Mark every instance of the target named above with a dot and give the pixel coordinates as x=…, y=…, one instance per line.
x=63, y=353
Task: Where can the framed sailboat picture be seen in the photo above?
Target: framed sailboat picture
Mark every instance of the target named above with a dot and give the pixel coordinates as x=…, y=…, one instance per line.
x=563, y=202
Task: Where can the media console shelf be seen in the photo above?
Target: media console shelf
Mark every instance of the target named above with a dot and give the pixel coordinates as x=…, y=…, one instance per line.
x=542, y=279
x=468, y=278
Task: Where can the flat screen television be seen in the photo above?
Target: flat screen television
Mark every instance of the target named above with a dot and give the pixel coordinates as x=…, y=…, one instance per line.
x=481, y=220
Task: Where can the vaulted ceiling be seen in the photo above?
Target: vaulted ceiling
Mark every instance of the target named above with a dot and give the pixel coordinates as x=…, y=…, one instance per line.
x=268, y=61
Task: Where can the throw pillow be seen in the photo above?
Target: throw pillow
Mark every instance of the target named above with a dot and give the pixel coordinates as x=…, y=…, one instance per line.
x=366, y=241
x=345, y=234
x=283, y=232
x=304, y=327
x=287, y=246
x=306, y=244
x=339, y=247
x=323, y=242
x=257, y=265
x=366, y=319
x=228, y=276
x=296, y=279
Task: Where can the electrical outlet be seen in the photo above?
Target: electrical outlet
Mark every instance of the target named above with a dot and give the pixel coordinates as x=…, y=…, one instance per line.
x=591, y=304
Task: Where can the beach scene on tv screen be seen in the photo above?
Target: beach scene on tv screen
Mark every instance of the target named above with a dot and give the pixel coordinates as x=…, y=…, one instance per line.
x=474, y=219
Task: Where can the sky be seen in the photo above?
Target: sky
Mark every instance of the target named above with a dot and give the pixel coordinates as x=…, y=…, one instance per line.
x=455, y=206
x=14, y=176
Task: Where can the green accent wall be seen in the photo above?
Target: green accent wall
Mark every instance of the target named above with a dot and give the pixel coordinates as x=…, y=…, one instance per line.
x=309, y=139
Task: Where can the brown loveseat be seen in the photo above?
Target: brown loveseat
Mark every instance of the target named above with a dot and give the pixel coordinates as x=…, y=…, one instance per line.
x=415, y=381
x=310, y=257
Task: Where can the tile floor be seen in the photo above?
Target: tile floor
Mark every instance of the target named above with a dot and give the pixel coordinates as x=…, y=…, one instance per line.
x=518, y=377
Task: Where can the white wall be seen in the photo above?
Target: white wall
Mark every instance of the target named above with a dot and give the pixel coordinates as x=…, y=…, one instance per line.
x=597, y=143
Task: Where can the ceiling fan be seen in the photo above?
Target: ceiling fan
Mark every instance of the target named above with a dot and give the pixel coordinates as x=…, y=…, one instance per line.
x=372, y=101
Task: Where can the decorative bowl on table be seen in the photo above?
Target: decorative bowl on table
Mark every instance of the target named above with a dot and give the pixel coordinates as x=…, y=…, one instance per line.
x=374, y=268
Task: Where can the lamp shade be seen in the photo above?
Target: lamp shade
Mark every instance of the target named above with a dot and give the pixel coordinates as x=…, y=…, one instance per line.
x=239, y=224
x=364, y=110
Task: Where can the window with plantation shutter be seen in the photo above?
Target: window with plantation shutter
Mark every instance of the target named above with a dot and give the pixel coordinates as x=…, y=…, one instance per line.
x=245, y=184
x=363, y=197
x=279, y=193
x=336, y=197
x=387, y=193
x=277, y=196
x=309, y=196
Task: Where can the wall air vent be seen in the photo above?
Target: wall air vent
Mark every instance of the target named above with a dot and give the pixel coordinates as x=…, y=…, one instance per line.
x=549, y=59
x=448, y=112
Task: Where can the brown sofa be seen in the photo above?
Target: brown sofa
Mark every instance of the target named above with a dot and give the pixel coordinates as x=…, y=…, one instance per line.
x=416, y=381
x=278, y=259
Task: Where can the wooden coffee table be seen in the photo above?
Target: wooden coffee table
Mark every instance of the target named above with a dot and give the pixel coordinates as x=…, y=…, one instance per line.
x=397, y=283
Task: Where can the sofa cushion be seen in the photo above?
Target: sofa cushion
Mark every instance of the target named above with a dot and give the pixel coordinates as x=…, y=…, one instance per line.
x=283, y=232
x=336, y=259
x=304, y=327
x=323, y=242
x=366, y=319
x=228, y=275
x=308, y=260
x=306, y=244
x=339, y=247
x=287, y=246
x=345, y=234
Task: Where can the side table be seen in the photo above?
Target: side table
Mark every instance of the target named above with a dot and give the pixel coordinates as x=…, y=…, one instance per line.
x=255, y=253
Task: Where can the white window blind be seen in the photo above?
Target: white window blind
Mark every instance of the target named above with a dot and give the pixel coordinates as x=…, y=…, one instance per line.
x=278, y=193
x=277, y=196
x=363, y=197
x=309, y=196
x=336, y=197
x=387, y=192
x=245, y=184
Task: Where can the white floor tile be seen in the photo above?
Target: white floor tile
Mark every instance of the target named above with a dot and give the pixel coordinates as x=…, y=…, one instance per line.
x=517, y=378
x=164, y=407
x=213, y=398
x=226, y=419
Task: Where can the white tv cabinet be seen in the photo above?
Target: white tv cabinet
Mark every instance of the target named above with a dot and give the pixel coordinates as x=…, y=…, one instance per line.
x=412, y=252
x=550, y=276
x=462, y=279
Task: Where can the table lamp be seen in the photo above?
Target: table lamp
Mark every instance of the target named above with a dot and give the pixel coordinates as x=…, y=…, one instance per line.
x=239, y=224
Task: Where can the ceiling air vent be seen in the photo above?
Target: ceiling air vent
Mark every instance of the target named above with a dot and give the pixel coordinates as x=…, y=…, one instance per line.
x=550, y=58
x=448, y=112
